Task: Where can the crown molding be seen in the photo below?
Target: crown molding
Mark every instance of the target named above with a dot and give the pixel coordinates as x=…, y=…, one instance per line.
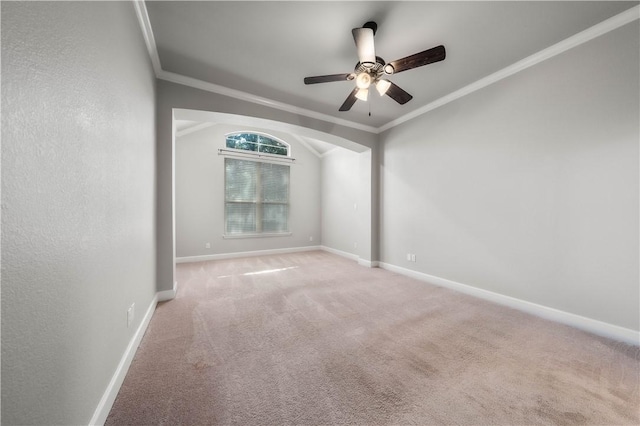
x=244, y=96
x=147, y=33
x=195, y=128
x=597, y=30
x=306, y=144
x=331, y=151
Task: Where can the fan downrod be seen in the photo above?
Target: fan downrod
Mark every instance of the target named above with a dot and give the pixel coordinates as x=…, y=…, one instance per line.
x=371, y=25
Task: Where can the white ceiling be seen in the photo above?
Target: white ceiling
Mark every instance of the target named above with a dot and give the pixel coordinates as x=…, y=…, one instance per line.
x=266, y=48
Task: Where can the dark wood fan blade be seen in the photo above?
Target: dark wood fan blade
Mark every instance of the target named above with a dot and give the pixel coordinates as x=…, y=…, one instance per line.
x=326, y=78
x=429, y=56
x=398, y=94
x=351, y=99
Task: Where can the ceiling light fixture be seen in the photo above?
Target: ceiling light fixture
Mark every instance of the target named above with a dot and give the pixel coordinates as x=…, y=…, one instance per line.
x=382, y=86
x=362, y=94
x=370, y=68
x=363, y=80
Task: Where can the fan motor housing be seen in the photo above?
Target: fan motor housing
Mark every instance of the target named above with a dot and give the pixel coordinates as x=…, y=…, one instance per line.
x=375, y=71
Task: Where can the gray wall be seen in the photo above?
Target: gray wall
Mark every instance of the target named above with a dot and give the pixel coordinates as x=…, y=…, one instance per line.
x=340, y=194
x=78, y=206
x=171, y=96
x=199, y=191
x=529, y=187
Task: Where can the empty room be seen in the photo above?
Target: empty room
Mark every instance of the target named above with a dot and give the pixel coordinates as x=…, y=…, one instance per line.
x=320, y=213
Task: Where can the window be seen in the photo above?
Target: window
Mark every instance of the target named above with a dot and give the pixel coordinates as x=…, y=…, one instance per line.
x=257, y=143
x=256, y=192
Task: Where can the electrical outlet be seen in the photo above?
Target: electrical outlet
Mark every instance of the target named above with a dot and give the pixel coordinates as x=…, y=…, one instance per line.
x=207, y=245
x=409, y=257
x=131, y=314
x=413, y=257
x=310, y=238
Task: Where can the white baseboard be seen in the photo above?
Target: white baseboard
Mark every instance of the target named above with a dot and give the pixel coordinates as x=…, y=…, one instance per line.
x=341, y=253
x=109, y=396
x=204, y=258
x=165, y=295
x=587, y=324
x=351, y=256
x=368, y=263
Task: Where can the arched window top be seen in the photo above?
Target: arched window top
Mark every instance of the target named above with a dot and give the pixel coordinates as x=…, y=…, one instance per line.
x=257, y=142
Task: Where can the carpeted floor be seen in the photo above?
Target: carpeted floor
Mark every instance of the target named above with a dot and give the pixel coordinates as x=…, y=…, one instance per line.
x=314, y=339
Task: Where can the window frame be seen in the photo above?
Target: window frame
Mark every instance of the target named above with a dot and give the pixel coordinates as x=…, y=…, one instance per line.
x=258, y=152
x=260, y=158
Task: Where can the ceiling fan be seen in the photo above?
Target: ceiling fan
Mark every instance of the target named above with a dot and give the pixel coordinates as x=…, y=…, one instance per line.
x=371, y=69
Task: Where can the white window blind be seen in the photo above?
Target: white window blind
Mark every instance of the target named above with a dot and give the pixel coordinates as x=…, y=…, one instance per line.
x=256, y=197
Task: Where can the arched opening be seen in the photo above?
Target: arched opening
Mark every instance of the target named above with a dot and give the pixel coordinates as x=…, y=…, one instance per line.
x=198, y=189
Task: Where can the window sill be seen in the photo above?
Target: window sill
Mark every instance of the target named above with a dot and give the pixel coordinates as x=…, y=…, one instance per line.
x=237, y=236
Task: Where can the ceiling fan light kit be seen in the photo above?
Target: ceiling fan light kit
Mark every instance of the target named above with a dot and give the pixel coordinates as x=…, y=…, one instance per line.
x=371, y=68
x=362, y=94
x=382, y=86
x=363, y=80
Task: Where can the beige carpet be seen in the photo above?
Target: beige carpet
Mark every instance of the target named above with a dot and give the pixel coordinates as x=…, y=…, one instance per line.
x=312, y=338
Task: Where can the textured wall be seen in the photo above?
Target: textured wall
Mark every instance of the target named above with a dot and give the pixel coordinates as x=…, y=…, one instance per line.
x=78, y=204
x=200, y=196
x=529, y=187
